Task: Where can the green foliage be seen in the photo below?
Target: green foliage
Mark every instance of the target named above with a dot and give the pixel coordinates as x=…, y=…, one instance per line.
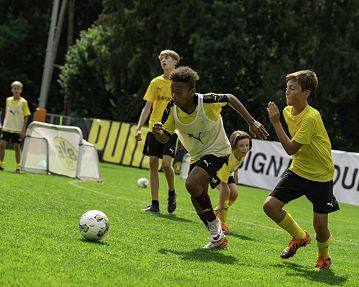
x=24, y=27
x=245, y=48
x=42, y=246
x=20, y=32
x=242, y=47
x=83, y=78
x=139, y=34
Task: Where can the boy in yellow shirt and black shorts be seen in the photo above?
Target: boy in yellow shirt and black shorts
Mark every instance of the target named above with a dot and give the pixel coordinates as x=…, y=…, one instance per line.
x=157, y=97
x=311, y=171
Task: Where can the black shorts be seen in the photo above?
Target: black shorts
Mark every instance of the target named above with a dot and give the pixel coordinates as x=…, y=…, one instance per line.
x=154, y=148
x=14, y=137
x=210, y=163
x=320, y=194
x=231, y=180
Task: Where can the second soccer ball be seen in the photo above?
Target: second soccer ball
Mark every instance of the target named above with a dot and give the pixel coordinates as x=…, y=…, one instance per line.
x=142, y=182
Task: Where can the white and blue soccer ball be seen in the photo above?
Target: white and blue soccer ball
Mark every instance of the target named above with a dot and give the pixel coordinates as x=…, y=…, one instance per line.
x=94, y=225
x=142, y=182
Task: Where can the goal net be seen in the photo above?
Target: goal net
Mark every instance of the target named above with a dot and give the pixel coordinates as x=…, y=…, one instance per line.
x=59, y=150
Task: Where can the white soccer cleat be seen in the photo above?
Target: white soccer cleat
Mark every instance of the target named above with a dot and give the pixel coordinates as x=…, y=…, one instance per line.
x=215, y=229
x=220, y=244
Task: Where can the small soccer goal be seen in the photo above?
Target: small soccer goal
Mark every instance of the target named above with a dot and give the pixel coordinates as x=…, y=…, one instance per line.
x=59, y=150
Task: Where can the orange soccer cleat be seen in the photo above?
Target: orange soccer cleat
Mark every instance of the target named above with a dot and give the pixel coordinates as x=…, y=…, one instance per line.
x=294, y=245
x=323, y=262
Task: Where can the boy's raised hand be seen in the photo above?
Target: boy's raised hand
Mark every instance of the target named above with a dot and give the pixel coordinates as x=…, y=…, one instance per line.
x=256, y=129
x=273, y=113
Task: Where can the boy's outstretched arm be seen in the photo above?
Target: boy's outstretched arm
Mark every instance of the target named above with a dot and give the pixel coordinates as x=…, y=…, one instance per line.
x=159, y=133
x=256, y=129
x=223, y=196
x=23, y=130
x=141, y=121
x=289, y=145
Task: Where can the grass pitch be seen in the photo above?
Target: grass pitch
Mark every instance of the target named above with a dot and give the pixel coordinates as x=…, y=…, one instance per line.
x=41, y=244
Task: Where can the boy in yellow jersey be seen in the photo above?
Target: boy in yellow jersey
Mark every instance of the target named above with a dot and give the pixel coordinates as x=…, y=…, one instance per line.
x=157, y=97
x=241, y=144
x=15, y=122
x=200, y=129
x=311, y=171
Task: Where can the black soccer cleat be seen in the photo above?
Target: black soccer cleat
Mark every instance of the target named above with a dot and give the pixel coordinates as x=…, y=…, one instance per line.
x=152, y=208
x=171, y=207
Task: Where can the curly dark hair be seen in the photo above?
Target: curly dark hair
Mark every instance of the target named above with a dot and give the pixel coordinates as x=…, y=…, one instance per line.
x=185, y=74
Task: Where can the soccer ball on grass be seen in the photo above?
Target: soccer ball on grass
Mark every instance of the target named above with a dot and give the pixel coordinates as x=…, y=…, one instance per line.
x=94, y=225
x=142, y=182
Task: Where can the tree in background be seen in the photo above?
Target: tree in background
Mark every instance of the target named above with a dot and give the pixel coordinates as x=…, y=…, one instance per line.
x=245, y=47
x=24, y=27
x=83, y=78
x=22, y=46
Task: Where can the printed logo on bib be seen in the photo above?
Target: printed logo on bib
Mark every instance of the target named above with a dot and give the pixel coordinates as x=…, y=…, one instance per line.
x=196, y=137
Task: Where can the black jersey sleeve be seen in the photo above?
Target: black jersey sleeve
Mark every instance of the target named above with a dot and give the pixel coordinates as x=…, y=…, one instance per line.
x=215, y=98
x=166, y=113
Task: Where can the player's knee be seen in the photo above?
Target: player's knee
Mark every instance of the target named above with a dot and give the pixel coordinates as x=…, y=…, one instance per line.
x=154, y=164
x=191, y=186
x=233, y=196
x=166, y=166
x=268, y=208
x=188, y=184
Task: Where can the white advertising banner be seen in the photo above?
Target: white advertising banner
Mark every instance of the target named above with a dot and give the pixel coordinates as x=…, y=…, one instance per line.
x=267, y=161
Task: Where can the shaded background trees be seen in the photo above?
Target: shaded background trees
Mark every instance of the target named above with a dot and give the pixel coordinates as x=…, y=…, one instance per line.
x=242, y=47
x=24, y=27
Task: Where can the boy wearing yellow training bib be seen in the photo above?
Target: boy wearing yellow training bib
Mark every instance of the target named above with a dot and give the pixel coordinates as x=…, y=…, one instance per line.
x=15, y=122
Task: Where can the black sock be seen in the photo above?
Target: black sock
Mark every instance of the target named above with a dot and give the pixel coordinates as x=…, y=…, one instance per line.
x=171, y=192
x=205, y=203
x=155, y=202
x=203, y=217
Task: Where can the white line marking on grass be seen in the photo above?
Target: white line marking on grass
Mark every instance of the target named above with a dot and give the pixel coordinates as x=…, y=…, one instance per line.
x=76, y=182
x=260, y=225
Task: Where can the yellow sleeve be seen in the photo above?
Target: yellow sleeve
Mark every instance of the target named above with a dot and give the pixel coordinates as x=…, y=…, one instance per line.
x=169, y=125
x=213, y=110
x=25, y=109
x=150, y=93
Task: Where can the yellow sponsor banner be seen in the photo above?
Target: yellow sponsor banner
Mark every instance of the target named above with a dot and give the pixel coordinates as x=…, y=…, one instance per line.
x=98, y=133
x=116, y=142
x=113, y=150
x=133, y=155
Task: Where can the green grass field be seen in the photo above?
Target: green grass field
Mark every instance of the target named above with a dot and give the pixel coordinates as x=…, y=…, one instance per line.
x=41, y=244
